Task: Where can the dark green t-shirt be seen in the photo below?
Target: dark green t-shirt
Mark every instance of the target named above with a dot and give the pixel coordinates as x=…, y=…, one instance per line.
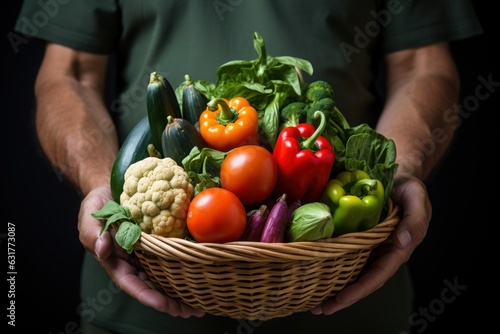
x=345, y=42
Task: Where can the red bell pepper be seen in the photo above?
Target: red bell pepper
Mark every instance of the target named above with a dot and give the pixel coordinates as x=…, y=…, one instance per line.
x=305, y=159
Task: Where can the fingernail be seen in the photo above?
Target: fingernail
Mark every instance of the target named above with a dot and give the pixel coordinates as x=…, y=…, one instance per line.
x=404, y=238
x=97, y=248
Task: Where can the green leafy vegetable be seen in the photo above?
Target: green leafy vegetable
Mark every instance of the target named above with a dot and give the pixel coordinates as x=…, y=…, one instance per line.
x=267, y=82
x=119, y=217
x=369, y=151
x=270, y=84
x=127, y=235
x=203, y=167
x=310, y=222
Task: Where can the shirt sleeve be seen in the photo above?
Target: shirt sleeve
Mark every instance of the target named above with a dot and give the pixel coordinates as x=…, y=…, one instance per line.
x=86, y=25
x=413, y=23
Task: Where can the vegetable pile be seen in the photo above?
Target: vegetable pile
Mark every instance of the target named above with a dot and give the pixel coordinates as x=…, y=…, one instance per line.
x=259, y=155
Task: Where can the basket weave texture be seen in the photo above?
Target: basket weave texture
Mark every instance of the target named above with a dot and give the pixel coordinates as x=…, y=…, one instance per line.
x=259, y=281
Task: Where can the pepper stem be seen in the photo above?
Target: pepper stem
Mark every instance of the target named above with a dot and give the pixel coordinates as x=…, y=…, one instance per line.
x=227, y=115
x=311, y=141
x=363, y=187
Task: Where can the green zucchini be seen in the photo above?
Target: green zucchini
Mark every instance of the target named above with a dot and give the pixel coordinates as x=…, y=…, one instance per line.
x=179, y=138
x=161, y=103
x=133, y=149
x=193, y=102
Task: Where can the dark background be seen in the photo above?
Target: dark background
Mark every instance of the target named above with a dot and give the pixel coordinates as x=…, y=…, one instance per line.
x=459, y=249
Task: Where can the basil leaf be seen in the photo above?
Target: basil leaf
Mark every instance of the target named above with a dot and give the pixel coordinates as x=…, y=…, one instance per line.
x=127, y=235
x=109, y=209
x=299, y=63
x=115, y=215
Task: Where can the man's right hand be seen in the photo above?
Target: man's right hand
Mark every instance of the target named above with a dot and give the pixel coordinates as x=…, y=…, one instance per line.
x=123, y=268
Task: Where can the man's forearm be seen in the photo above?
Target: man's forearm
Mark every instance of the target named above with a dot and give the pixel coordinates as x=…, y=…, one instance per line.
x=74, y=128
x=420, y=113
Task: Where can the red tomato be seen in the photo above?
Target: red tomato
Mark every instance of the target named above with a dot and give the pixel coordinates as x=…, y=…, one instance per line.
x=250, y=172
x=216, y=215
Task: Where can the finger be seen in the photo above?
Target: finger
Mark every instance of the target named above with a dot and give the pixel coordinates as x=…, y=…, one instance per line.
x=416, y=215
x=104, y=246
x=90, y=228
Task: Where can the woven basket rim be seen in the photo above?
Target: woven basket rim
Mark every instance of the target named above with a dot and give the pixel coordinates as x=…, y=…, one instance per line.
x=255, y=251
x=256, y=280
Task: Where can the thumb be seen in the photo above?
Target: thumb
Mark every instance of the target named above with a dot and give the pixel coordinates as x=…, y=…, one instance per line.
x=103, y=246
x=90, y=228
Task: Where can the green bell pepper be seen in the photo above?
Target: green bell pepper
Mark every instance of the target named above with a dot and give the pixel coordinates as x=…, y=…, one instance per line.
x=355, y=200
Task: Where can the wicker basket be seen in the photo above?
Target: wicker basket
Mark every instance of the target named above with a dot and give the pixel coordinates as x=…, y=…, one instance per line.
x=259, y=281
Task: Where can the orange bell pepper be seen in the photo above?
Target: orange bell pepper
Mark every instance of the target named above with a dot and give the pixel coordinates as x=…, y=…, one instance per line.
x=226, y=124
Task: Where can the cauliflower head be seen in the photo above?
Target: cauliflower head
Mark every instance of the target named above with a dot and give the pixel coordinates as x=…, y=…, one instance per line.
x=158, y=193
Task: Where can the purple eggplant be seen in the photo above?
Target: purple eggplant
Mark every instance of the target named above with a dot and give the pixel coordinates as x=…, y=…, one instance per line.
x=274, y=229
x=255, y=224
